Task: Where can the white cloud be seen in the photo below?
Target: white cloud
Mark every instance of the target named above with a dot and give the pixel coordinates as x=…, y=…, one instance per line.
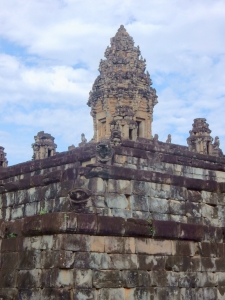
x=52, y=56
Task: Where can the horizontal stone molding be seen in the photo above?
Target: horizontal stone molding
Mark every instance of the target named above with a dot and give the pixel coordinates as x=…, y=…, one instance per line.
x=172, y=153
x=56, y=223
x=112, y=172
x=115, y=172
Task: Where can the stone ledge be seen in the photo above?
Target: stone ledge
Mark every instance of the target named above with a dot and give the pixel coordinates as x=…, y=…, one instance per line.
x=171, y=154
x=112, y=172
x=91, y=224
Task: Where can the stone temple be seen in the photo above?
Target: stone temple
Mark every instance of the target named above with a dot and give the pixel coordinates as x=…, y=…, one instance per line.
x=123, y=216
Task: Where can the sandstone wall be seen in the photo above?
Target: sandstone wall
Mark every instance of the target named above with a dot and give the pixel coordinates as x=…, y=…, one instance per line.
x=77, y=256
x=139, y=183
x=147, y=224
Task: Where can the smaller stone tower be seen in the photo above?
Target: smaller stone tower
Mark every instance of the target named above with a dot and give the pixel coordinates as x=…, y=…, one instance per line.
x=3, y=160
x=44, y=146
x=200, y=140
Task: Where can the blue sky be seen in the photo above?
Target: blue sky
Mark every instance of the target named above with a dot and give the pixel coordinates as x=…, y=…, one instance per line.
x=50, y=52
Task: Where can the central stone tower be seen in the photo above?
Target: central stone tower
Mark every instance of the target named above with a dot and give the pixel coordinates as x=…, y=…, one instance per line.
x=122, y=98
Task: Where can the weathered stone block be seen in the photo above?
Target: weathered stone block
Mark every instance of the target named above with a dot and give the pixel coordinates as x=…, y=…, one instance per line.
x=65, y=259
x=149, y=246
x=31, y=209
x=194, y=196
x=130, y=278
x=29, y=279
x=97, y=185
x=183, y=248
x=87, y=223
x=160, y=278
x=139, y=202
x=207, y=279
x=34, y=194
x=84, y=294
x=178, y=264
x=168, y=293
x=111, y=294
x=54, y=223
x=97, y=243
x=27, y=294
x=161, y=191
x=12, y=244
x=116, y=201
x=208, y=249
x=191, y=232
x=177, y=207
x=209, y=212
x=10, y=199
x=221, y=278
x=220, y=265
x=83, y=278
x=160, y=217
x=92, y=260
x=57, y=278
x=206, y=293
x=123, y=261
x=99, y=201
x=142, y=293
x=178, y=193
x=107, y=279
x=141, y=188
x=188, y=294
x=165, y=229
x=8, y=293
x=123, y=213
x=110, y=225
x=120, y=186
x=193, y=210
x=146, y=215
x=73, y=242
x=209, y=264
x=55, y=293
x=151, y=263
x=138, y=227
x=29, y=259
x=188, y=280
x=9, y=260
x=158, y=205
x=119, y=245
x=49, y=259
x=13, y=227
x=220, y=293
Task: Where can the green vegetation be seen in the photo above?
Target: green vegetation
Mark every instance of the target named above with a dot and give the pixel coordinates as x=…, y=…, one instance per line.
x=11, y=235
x=43, y=211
